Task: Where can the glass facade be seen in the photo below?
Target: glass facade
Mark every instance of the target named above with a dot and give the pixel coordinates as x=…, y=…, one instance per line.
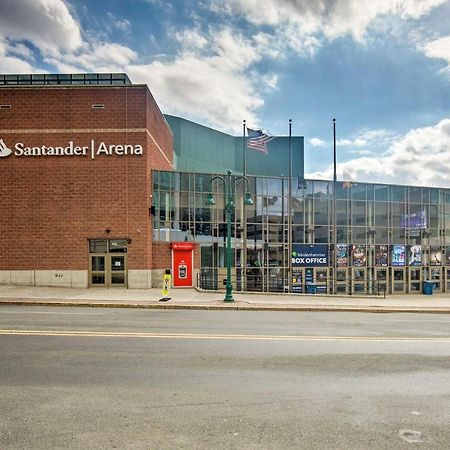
x=201, y=149
x=388, y=237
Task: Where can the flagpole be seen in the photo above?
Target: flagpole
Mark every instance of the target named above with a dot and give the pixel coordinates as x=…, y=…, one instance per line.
x=290, y=208
x=334, y=208
x=244, y=216
x=244, y=150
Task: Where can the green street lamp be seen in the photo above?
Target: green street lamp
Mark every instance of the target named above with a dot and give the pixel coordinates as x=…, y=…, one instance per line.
x=229, y=207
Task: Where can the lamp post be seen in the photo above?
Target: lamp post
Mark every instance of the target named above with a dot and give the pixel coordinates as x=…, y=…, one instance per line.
x=229, y=208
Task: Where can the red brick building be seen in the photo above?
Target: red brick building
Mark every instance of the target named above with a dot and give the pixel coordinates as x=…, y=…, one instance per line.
x=76, y=154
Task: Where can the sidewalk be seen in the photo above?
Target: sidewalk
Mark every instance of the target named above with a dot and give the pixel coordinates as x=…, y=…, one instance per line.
x=194, y=299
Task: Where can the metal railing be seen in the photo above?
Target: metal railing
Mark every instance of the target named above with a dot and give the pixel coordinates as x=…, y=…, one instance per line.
x=251, y=280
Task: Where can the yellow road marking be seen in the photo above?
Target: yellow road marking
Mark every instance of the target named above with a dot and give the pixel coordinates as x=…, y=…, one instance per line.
x=219, y=336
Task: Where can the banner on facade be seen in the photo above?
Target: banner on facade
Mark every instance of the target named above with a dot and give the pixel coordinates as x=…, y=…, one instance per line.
x=435, y=256
x=359, y=256
x=309, y=255
x=342, y=255
x=447, y=256
x=415, y=255
x=398, y=255
x=381, y=255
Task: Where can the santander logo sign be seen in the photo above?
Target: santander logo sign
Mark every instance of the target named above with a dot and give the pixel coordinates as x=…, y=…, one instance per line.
x=4, y=150
x=71, y=149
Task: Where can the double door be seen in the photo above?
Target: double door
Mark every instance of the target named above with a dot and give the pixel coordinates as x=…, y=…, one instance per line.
x=108, y=270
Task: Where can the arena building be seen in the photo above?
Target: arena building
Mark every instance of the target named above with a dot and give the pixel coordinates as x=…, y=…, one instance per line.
x=99, y=189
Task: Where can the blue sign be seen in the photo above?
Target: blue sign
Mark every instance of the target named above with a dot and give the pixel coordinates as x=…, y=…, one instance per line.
x=398, y=255
x=309, y=255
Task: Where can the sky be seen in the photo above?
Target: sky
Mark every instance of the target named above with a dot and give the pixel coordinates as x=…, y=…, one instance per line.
x=380, y=67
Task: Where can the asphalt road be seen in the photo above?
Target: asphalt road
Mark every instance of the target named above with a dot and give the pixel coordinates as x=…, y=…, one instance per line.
x=146, y=379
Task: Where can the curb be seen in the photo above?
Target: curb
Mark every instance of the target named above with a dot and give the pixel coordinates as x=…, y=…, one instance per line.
x=234, y=306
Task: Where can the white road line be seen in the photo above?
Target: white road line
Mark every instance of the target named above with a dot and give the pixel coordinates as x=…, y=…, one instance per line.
x=220, y=336
x=418, y=320
x=51, y=312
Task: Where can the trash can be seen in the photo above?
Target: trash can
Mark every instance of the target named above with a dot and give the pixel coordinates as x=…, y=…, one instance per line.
x=428, y=287
x=311, y=289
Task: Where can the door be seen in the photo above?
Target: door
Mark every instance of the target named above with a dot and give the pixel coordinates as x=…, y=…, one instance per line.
x=97, y=270
x=415, y=279
x=358, y=280
x=108, y=270
x=381, y=280
x=342, y=280
x=447, y=279
x=117, y=274
x=398, y=281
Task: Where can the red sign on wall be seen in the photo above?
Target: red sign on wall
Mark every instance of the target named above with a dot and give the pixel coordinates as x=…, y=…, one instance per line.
x=182, y=245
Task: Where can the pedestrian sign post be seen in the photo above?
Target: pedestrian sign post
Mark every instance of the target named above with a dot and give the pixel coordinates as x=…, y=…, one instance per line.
x=167, y=278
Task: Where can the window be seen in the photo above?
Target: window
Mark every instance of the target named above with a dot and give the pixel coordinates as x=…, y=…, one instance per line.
x=98, y=246
x=108, y=245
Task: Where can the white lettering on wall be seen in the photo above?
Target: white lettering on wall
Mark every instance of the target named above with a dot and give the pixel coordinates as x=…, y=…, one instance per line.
x=20, y=149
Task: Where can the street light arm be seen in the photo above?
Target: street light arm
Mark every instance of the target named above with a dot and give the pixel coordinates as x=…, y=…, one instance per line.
x=241, y=177
x=219, y=177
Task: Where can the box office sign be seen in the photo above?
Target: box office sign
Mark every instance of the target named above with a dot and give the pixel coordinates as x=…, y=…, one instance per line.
x=309, y=255
x=19, y=149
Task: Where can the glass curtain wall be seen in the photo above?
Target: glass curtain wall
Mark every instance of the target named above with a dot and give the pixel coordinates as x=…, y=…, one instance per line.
x=388, y=237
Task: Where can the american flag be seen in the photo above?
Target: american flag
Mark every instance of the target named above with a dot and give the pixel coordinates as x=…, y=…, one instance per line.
x=257, y=140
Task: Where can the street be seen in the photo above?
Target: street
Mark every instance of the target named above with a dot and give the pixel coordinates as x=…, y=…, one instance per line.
x=168, y=379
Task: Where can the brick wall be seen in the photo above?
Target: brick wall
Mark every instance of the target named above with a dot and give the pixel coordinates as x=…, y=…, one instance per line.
x=50, y=206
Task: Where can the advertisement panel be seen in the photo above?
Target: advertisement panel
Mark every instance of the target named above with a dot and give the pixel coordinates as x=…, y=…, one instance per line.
x=297, y=282
x=414, y=221
x=381, y=255
x=435, y=256
x=415, y=255
x=398, y=255
x=309, y=255
x=447, y=256
x=342, y=255
x=359, y=256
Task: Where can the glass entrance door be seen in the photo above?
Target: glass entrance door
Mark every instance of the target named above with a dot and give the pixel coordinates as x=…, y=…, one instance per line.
x=342, y=281
x=415, y=279
x=398, y=280
x=97, y=270
x=117, y=273
x=108, y=263
x=107, y=271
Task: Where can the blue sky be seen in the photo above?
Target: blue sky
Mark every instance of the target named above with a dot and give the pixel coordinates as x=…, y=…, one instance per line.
x=381, y=67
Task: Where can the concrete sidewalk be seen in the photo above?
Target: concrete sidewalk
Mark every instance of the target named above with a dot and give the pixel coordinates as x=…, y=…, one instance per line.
x=194, y=299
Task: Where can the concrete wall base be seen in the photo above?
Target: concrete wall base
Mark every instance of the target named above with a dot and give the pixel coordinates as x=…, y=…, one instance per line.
x=140, y=279
x=137, y=279
x=52, y=278
x=157, y=278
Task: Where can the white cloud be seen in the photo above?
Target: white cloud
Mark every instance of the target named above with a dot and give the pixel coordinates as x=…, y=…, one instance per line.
x=209, y=82
x=123, y=25
x=48, y=24
x=439, y=49
x=362, y=152
x=358, y=142
x=101, y=57
x=316, y=142
x=421, y=157
x=332, y=18
x=12, y=64
x=213, y=76
x=210, y=78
